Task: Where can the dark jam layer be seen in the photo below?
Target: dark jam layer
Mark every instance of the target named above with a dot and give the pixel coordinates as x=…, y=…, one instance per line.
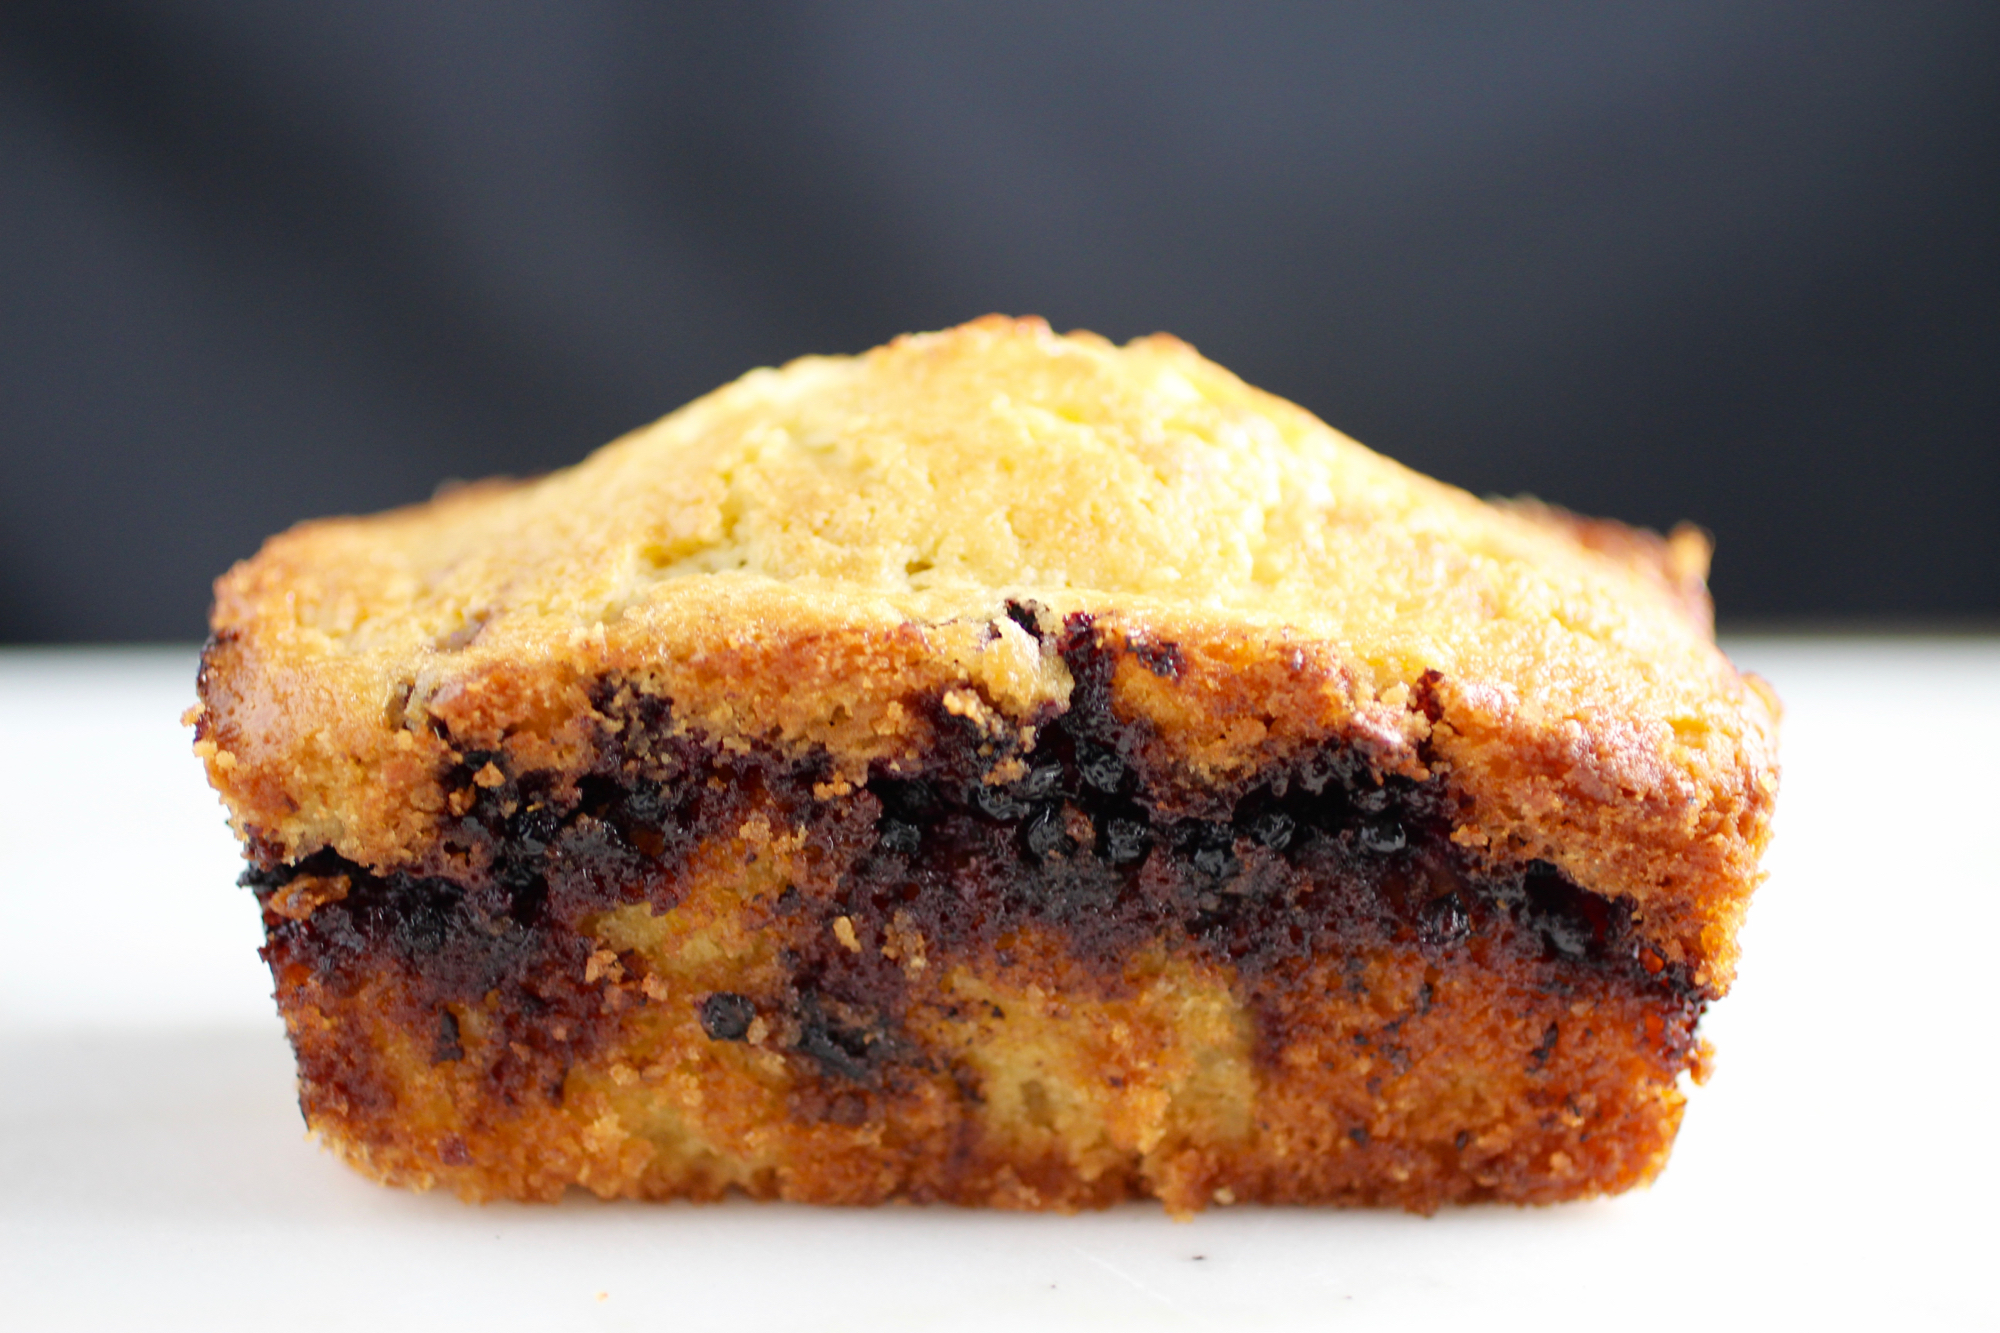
x=1320, y=858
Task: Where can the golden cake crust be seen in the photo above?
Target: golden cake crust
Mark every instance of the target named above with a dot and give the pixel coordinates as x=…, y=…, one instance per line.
x=794, y=557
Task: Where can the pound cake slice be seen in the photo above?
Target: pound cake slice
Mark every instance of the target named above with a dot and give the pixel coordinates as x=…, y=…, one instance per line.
x=1001, y=768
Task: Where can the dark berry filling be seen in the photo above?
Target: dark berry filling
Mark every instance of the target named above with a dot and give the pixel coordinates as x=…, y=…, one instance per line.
x=727, y=1016
x=1322, y=857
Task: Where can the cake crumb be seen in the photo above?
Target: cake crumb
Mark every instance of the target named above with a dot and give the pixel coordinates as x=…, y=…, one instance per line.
x=1023, y=780
x=303, y=896
x=1703, y=1067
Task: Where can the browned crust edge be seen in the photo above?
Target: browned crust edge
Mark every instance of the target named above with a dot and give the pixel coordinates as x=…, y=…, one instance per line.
x=1591, y=795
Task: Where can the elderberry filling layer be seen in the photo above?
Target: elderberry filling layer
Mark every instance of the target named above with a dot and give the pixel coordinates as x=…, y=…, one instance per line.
x=1319, y=858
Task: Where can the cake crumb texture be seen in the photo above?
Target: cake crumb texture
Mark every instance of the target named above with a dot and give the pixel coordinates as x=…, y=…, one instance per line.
x=848, y=530
x=1001, y=768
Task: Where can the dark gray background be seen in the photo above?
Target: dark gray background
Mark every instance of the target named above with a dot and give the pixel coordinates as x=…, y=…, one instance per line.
x=1728, y=262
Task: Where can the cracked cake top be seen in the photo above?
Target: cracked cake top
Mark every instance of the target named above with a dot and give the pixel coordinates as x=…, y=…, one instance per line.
x=820, y=560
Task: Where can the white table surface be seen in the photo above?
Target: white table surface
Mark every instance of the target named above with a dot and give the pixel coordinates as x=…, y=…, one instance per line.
x=1841, y=1165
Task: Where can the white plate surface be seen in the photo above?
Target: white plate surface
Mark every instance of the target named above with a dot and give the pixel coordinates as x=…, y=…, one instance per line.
x=1839, y=1167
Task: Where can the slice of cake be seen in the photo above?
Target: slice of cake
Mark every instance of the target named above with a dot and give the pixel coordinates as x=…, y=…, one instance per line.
x=1003, y=769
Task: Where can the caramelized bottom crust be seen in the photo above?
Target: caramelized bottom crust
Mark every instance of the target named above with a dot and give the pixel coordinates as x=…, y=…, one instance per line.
x=1030, y=978
x=1384, y=1078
